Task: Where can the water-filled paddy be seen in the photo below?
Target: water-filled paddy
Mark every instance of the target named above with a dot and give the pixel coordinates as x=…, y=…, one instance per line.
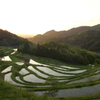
x=39, y=73
x=18, y=79
x=69, y=67
x=51, y=72
x=14, y=51
x=8, y=78
x=23, y=71
x=75, y=91
x=19, y=63
x=75, y=72
x=33, y=78
x=7, y=69
x=88, y=79
x=6, y=58
x=36, y=63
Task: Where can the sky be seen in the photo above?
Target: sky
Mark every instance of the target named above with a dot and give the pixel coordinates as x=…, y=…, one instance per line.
x=31, y=17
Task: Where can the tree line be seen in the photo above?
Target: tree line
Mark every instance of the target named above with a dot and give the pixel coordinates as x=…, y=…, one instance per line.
x=59, y=51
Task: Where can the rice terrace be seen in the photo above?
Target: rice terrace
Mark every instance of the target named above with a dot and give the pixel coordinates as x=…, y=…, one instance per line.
x=49, y=50
x=42, y=75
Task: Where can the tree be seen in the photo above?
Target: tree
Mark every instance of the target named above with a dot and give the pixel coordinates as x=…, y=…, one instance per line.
x=26, y=46
x=2, y=54
x=52, y=80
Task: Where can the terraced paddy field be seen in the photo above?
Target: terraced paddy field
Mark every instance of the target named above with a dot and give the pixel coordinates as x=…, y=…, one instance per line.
x=31, y=73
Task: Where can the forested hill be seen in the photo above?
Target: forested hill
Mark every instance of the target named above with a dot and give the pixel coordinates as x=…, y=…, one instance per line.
x=89, y=39
x=51, y=35
x=8, y=39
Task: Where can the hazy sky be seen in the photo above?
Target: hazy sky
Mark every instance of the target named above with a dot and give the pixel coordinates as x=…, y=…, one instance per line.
x=39, y=16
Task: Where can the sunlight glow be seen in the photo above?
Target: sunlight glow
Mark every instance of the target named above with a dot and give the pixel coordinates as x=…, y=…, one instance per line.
x=39, y=16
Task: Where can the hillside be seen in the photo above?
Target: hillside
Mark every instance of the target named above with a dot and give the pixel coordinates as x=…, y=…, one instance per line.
x=61, y=52
x=88, y=39
x=8, y=39
x=51, y=35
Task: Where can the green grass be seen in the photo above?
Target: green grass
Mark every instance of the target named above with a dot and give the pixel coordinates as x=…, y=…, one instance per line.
x=14, y=58
x=9, y=92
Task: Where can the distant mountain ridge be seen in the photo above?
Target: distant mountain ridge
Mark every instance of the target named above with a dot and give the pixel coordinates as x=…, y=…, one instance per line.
x=56, y=34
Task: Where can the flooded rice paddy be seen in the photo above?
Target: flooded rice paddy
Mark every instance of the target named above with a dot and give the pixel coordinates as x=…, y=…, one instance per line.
x=34, y=74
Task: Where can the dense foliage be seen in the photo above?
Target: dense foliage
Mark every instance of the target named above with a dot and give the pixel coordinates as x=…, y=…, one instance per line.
x=2, y=54
x=85, y=37
x=60, y=51
x=89, y=39
x=26, y=46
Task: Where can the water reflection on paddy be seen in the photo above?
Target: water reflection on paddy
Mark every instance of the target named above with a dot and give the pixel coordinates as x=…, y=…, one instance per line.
x=51, y=72
x=6, y=58
x=39, y=73
x=17, y=78
x=88, y=79
x=89, y=90
x=69, y=67
x=14, y=51
x=75, y=72
x=19, y=63
x=36, y=63
x=7, y=69
x=33, y=78
x=23, y=71
x=8, y=78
